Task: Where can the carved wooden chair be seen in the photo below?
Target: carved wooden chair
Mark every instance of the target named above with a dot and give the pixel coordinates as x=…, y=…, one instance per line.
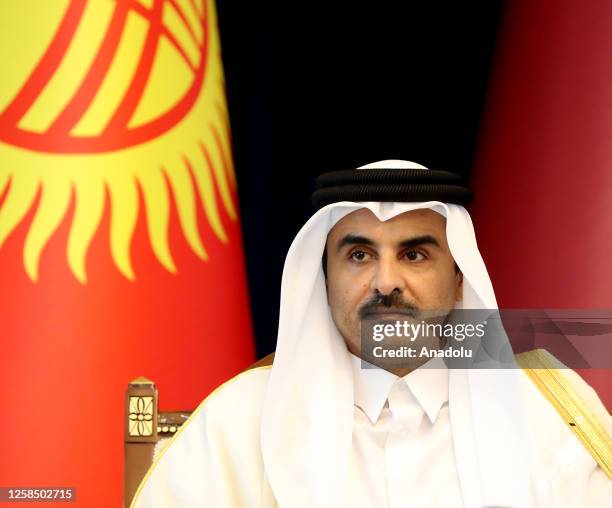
x=148, y=430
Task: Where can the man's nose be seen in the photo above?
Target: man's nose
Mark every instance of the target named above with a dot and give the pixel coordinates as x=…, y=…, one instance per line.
x=388, y=277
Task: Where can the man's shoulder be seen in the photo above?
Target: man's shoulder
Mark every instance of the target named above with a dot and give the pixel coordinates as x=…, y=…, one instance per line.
x=243, y=393
x=562, y=388
x=564, y=412
x=217, y=448
x=230, y=416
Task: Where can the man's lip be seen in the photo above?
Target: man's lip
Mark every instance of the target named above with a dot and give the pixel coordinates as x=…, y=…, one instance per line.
x=382, y=314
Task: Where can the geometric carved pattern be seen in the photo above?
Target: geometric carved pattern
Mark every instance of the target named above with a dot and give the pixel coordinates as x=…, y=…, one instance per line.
x=141, y=416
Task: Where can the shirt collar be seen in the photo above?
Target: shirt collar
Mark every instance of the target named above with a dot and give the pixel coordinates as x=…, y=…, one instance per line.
x=371, y=386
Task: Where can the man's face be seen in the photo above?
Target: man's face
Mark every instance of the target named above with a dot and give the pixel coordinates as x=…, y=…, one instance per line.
x=383, y=270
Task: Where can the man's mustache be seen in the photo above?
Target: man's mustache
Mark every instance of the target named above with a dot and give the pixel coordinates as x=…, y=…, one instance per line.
x=384, y=303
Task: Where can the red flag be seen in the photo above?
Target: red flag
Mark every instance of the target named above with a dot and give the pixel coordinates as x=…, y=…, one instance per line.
x=542, y=179
x=120, y=245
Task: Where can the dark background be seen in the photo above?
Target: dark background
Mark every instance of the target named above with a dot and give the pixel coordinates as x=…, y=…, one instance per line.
x=320, y=86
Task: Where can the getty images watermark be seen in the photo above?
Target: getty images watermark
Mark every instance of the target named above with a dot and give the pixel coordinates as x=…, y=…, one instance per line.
x=485, y=338
x=411, y=331
x=396, y=341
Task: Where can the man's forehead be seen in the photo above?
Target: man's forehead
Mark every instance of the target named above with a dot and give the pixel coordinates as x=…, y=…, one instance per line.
x=364, y=220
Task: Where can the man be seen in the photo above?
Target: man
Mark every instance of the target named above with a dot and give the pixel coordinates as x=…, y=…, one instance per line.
x=317, y=429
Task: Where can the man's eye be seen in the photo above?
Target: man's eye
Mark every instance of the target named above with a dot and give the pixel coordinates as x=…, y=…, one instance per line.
x=415, y=255
x=359, y=255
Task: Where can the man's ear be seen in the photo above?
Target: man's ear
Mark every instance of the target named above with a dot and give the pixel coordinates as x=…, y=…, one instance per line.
x=458, y=286
x=324, y=265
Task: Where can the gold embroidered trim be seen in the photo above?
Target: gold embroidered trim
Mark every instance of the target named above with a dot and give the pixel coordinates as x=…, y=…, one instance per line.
x=544, y=370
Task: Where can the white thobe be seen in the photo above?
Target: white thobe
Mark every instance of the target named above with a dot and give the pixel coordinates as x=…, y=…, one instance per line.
x=402, y=450
x=216, y=459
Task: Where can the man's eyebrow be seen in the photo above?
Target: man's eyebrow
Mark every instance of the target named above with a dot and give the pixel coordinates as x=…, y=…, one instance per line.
x=352, y=239
x=355, y=239
x=419, y=240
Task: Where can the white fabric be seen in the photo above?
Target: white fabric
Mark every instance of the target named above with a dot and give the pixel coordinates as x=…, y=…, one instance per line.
x=402, y=449
x=393, y=163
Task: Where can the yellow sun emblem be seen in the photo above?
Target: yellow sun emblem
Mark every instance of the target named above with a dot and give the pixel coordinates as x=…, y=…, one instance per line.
x=101, y=99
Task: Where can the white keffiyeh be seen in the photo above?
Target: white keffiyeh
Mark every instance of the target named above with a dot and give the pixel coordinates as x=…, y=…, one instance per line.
x=306, y=457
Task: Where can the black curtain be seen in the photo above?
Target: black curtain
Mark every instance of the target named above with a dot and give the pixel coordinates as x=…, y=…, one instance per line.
x=320, y=86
